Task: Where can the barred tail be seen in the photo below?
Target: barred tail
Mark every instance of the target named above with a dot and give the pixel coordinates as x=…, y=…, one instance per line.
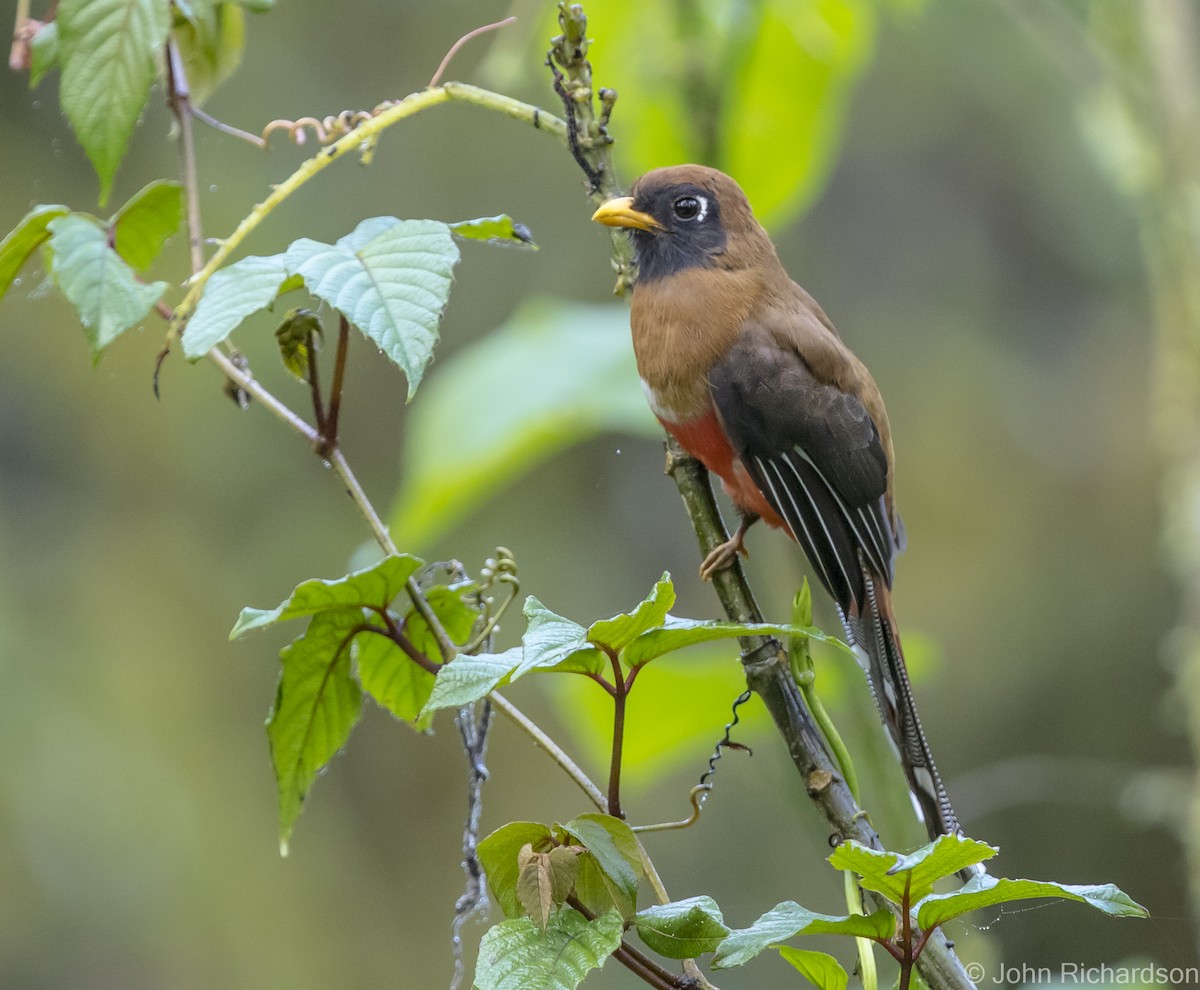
x=873, y=630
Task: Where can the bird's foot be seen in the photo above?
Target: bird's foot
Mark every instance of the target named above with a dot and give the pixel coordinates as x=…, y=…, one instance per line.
x=724, y=555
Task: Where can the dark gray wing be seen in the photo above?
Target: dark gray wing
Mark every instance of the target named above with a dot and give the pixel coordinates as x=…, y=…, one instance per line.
x=815, y=454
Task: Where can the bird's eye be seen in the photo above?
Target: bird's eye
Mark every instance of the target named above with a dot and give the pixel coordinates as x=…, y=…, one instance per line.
x=690, y=207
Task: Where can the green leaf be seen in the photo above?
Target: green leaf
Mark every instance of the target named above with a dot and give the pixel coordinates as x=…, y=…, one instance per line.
x=390, y=278
x=211, y=40
x=468, y=678
x=682, y=929
x=232, y=294
x=790, y=919
x=986, y=891
x=819, y=968
x=621, y=630
x=552, y=642
x=886, y=872
x=791, y=92
x=373, y=587
x=552, y=376
x=24, y=239
x=141, y=227
x=316, y=705
x=501, y=230
x=395, y=681
x=615, y=847
x=517, y=955
x=103, y=289
x=499, y=853
x=109, y=51
x=43, y=52
x=392, y=679
x=676, y=633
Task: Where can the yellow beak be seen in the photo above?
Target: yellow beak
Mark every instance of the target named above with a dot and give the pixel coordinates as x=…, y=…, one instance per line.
x=620, y=213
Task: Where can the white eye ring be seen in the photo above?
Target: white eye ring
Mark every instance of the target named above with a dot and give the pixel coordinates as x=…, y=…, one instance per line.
x=700, y=203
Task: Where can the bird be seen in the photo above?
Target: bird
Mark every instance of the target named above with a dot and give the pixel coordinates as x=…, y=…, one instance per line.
x=744, y=369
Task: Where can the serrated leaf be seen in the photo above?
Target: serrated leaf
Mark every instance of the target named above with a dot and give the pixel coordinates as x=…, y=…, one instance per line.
x=676, y=633
x=553, y=642
x=516, y=955
x=887, y=872
x=108, y=50
x=141, y=227
x=943, y=857
x=373, y=587
x=551, y=376
x=985, y=891
x=103, y=289
x=316, y=705
x=498, y=854
x=468, y=678
x=43, y=52
x=501, y=230
x=819, y=968
x=789, y=919
x=24, y=239
x=232, y=294
x=615, y=847
x=211, y=41
x=682, y=929
x=621, y=630
x=391, y=279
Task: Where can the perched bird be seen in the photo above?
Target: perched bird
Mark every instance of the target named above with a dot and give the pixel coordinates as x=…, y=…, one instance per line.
x=746, y=371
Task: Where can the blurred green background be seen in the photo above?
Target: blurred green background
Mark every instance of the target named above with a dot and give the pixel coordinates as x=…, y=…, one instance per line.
x=969, y=246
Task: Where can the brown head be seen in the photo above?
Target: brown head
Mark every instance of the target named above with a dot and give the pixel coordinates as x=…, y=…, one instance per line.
x=686, y=217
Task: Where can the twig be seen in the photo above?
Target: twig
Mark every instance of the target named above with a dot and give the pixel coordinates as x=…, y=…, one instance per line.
x=339, y=374
x=474, y=900
x=454, y=48
x=224, y=128
x=180, y=100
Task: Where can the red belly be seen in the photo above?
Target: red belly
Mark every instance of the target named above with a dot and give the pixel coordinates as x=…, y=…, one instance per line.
x=705, y=440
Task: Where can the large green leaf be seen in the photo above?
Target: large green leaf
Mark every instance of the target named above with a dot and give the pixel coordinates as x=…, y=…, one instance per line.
x=388, y=277
x=552, y=642
x=890, y=873
x=392, y=679
x=986, y=891
x=551, y=376
x=232, y=294
x=24, y=239
x=517, y=955
x=109, y=51
x=373, y=587
x=102, y=288
x=682, y=929
x=676, y=633
x=498, y=855
x=789, y=919
x=316, y=706
x=142, y=226
x=621, y=630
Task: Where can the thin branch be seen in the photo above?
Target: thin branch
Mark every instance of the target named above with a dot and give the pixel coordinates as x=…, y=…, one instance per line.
x=180, y=100
x=618, y=736
x=314, y=385
x=224, y=128
x=462, y=41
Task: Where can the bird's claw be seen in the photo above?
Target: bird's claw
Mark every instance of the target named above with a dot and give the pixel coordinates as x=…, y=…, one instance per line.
x=722, y=556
